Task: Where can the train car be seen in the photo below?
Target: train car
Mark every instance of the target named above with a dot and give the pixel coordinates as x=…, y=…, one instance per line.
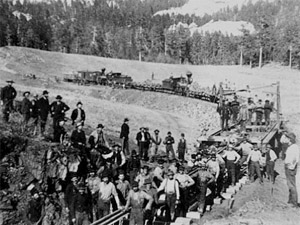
x=88, y=77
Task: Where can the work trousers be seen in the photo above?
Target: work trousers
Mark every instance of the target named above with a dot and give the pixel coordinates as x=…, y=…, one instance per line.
x=7, y=108
x=143, y=150
x=184, y=196
x=224, y=123
x=202, y=197
x=267, y=116
x=181, y=153
x=103, y=208
x=270, y=170
x=259, y=117
x=125, y=145
x=291, y=183
x=82, y=218
x=169, y=148
x=255, y=168
x=136, y=216
x=43, y=122
x=170, y=202
x=231, y=170
x=132, y=174
x=220, y=181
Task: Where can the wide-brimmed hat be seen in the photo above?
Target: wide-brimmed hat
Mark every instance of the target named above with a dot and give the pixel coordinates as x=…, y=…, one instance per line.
x=156, y=131
x=141, y=128
x=146, y=167
x=79, y=124
x=133, y=153
x=59, y=97
x=126, y=119
x=135, y=184
x=116, y=145
x=160, y=161
x=291, y=136
x=26, y=92
x=45, y=92
x=100, y=125
x=169, y=132
x=10, y=81
x=170, y=172
x=105, y=174
x=79, y=103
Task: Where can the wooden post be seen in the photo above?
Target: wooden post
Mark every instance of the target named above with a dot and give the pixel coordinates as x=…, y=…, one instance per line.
x=278, y=102
x=260, y=57
x=290, y=63
x=241, y=58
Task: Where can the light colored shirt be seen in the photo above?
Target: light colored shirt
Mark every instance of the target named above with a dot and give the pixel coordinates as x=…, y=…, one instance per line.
x=190, y=164
x=141, y=179
x=232, y=155
x=246, y=148
x=214, y=168
x=173, y=168
x=136, y=199
x=254, y=156
x=170, y=186
x=124, y=187
x=93, y=184
x=158, y=172
x=184, y=180
x=273, y=155
x=220, y=159
x=106, y=191
x=292, y=156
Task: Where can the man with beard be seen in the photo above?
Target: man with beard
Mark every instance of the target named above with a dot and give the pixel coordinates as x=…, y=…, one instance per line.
x=169, y=141
x=8, y=94
x=44, y=109
x=70, y=193
x=78, y=138
x=58, y=110
x=81, y=209
x=143, y=140
x=25, y=110
x=136, y=199
x=133, y=166
x=107, y=190
x=97, y=137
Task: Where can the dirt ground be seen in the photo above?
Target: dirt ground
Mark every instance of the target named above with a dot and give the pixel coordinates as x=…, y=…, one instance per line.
x=165, y=112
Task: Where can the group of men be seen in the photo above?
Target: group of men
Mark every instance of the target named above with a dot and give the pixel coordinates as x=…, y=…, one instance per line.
x=250, y=112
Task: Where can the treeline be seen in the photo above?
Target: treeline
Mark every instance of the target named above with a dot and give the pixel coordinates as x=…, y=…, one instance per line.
x=127, y=29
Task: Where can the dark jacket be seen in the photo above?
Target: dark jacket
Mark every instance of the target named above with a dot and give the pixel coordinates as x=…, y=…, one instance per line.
x=25, y=108
x=81, y=203
x=78, y=137
x=43, y=107
x=169, y=140
x=146, y=135
x=34, y=111
x=34, y=210
x=59, y=134
x=58, y=110
x=75, y=114
x=124, y=131
x=8, y=93
x=70, y=194
x=224, y=111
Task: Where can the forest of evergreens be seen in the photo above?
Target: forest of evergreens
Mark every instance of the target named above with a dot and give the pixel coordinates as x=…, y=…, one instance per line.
x=128, y=30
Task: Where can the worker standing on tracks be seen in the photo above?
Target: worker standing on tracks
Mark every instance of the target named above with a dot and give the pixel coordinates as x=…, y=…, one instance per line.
x=143, y=176
x=232, y=159
x=133, y=166
x=169, y=141
x=107, y=191
x=171, y=188
x=136, y=199
x=25, y=110
x=44, y=109
x=124, y=135
x=78, y=138
x=8, y=94
x=267, y=111
x=243, y=117
x=204, y=178
x=123, y=187
x=255, y=158
x=291, y=161
x=235, y=108
x=244, y=149
x=185, y=182
x=259, y=111
x=143, y=143
x=225, y=112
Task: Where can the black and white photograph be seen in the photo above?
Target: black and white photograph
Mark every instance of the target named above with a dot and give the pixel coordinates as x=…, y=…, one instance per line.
x=149, y=112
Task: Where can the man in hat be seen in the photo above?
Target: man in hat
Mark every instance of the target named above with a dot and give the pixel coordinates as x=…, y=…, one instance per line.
x=97, y=137
x=243, y=116
x=107, y=191
x=152, y=191
x=267, y=111
x=78, y=138
x=44, y=109
x=8, y=94
x=59, y=132
x=25, y=110
x=182, y=148
x=251, y=108
x=133, y=166
x=255, y=158
x=244, y=150
x=191, y=162
x=34, y=112
x=185, y=182
x=136, y=199
x=143, y=176
x=270, y=163
x=119, y=157
x=124, y=135
x=259, y=111
x=143, y=143
x=235, y=108
x=158, y=173
x=168, y=142
x=35, y=210
x=70, y=193
x=58, y=109
x=232, y=159
x=123, y=187
x=93, y=181
x=291, y=161
x=171, y=188
x=225, y=112
x=78, y=114
x=82, y=207
x=156, y=141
